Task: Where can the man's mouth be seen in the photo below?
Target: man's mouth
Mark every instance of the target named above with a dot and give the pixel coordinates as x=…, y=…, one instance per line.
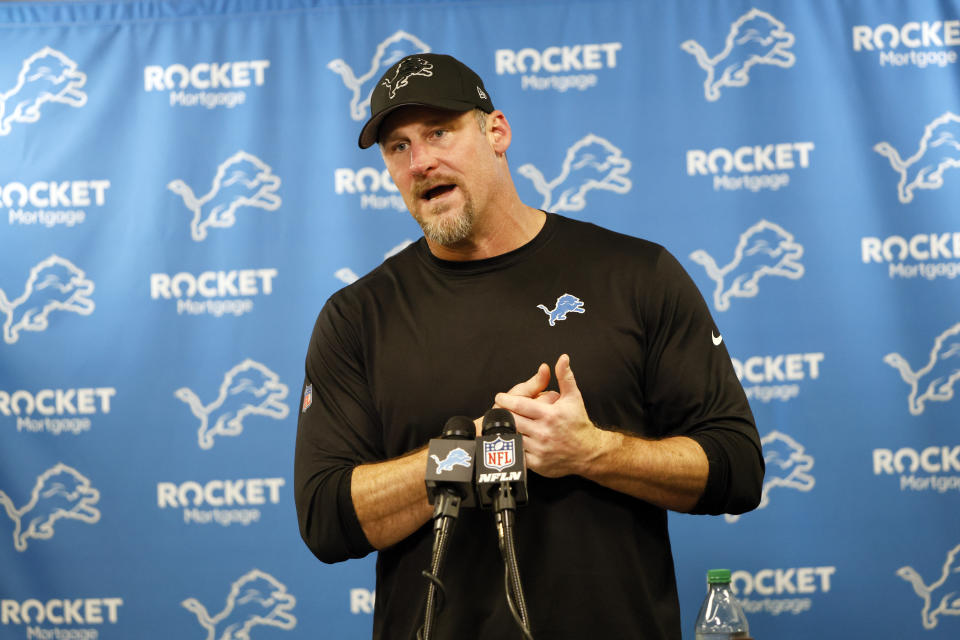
x=437, y=191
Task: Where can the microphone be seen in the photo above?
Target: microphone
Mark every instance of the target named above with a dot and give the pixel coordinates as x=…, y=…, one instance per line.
x=501, y=470
x=502, y=485
x=450, y=464
x=449, y=480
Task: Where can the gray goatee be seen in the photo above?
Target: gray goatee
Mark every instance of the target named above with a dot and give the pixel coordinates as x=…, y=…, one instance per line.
x=447, y=230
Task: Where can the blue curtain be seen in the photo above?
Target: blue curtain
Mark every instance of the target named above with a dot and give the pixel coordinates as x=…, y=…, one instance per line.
x=181, y=190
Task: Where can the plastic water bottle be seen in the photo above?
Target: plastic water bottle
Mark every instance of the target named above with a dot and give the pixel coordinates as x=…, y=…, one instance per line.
x=720, y=617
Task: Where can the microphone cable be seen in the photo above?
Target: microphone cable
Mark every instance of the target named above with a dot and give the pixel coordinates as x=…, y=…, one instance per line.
x=512, y=587
x=504, y=491
x=436, y=592
x=449, y=486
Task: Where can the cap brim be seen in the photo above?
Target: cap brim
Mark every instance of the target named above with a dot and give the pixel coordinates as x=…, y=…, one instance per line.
x=371, y=131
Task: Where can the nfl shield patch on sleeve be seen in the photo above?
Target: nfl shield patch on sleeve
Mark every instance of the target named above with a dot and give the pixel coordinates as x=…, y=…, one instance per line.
x=307, y=398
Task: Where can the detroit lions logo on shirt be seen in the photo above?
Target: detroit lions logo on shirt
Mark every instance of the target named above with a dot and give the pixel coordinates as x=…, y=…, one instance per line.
x=405, y=70
x=566, y=303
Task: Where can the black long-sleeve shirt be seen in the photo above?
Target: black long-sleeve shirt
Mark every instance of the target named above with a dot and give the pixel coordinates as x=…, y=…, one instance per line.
x=421, y=339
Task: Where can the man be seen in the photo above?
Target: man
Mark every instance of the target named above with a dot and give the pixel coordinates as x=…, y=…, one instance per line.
x=655, y=420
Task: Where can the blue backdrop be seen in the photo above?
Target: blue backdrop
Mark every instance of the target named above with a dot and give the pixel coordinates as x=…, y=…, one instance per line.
x=181, y=190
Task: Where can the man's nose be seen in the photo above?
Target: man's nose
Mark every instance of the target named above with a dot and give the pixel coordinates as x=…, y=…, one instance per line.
x=422, y=159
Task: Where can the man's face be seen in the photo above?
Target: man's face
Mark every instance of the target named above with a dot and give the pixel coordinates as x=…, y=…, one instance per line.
x=443, y=165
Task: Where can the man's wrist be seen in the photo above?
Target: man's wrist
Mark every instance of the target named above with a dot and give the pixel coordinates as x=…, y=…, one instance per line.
x=601, y=455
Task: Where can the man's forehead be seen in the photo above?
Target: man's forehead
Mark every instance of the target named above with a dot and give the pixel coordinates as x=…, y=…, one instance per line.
x=417, y=115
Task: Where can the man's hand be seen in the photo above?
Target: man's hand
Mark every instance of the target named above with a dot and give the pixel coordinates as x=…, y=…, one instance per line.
x=534, y=388
x=558, y=437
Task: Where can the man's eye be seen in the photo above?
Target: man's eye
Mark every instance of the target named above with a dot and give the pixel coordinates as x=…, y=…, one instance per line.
x=439, y=133
x=400, y=146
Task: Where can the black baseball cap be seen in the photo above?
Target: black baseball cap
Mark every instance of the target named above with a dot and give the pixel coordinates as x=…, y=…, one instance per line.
x=427, y=79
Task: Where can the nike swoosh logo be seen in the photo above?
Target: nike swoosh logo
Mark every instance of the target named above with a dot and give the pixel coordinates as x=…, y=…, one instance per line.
x=716, y=339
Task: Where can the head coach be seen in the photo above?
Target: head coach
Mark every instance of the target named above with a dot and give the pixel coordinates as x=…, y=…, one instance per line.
x=654, y=420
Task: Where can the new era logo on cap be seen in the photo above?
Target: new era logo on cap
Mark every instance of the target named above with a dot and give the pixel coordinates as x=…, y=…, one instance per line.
x=426, y=79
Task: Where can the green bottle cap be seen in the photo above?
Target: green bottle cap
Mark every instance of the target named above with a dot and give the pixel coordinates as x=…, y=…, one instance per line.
x=718, y=576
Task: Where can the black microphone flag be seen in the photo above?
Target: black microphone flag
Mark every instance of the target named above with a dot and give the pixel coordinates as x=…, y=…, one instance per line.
x=451, y=461
x=500, y=458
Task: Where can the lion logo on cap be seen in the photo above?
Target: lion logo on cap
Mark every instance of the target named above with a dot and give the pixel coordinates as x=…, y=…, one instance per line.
x=408, y=67
x=398, y=46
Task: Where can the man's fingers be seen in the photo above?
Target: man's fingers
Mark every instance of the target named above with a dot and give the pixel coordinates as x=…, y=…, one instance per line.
x=548, y=396
x=534, y=385
x=531, y=432
x=530, y=454
x=521, y=405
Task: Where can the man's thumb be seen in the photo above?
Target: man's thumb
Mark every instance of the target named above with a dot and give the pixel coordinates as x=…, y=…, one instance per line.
x=565, y=380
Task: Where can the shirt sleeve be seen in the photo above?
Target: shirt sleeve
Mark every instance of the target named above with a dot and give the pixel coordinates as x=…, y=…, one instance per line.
x=337, y=430
x=691, y=389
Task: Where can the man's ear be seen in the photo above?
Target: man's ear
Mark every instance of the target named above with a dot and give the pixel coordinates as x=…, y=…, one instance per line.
x=498, y=131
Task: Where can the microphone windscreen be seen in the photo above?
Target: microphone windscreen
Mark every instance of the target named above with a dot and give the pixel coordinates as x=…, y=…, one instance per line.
x=459, y=428
x=498, y=421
